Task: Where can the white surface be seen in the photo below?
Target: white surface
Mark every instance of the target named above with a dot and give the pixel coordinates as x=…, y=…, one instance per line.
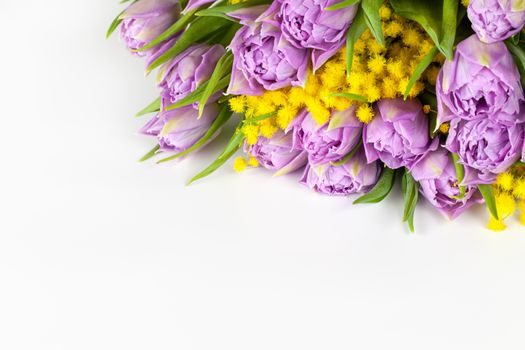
x=100, y=252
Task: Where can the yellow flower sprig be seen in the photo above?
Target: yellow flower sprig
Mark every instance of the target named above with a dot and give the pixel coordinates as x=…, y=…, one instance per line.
x=509, y=190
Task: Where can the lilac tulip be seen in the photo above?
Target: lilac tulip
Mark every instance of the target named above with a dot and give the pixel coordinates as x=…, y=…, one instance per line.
x=329, y=142
x=145, y=20
x=398, y=135
x=482, y=81
x=307, y=24
x=354, y=176
x=278, y=153
x=265, y=60
x=187, y=71
x=439, y=184
x=179, y=129
x=496, y=20
x=486, y=148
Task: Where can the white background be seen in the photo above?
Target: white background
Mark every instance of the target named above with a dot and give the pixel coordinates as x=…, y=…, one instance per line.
x=100, y=252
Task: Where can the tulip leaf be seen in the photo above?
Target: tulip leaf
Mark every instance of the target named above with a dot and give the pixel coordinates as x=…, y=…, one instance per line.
x=195, y=95
x=150, y=154
x=224, y=115
x=342, y=4
x=439, y=18
x=176, y=27
x=460, y=173
x=233, y=145
x=354, y=33
x=223, y=11
x=519, y=57
x=420, y=69
x=349, y=155
x=224, y=65
x=381, y=190
x=372, y=18
x=114, y=25
x=151, y=108
x=488, y=193
x=198, y=30
x=259, y=118
x=449, y=26
x=430, y=99
x=411, y=195
x=349, y=96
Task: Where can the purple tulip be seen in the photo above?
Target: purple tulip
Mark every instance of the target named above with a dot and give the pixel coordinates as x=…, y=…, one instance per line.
x=329, y=142
x=439, y=184
x=179, y=129
x=482, y=81
x=399, y=134
x=496, y=20
x=355, y=176
x=187, y=71
x=145, y=20
x=485, y=147
x=278, y=153
x=307, y=24
x=265, y=60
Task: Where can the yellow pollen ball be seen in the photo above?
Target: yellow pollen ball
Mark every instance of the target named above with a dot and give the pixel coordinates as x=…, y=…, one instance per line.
x=239, y=165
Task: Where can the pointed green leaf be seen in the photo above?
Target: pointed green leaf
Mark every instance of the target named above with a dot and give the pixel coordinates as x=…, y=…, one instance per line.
x=373, y=20
x=150, y=154
x=460, y=173
x=411, y=195
x=197, y=93
x=224, y=10
x=354, y=33
x=420, y=69
x=153, y=107
x=223, y=117
x=349, y=96
x=114, y=25
x=198, y=30
x=342, y=4
x=224, y=65
x=232, y=147
x=488, y=193
x=381, y=190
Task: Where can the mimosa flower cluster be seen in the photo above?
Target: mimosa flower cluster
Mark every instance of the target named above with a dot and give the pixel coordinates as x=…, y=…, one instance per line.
x=355, y=95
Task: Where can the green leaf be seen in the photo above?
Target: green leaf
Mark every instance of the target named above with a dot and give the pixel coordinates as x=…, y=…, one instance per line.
x=420, y=69
x=114, y=25
x=171, y=31
x=342, y=4
x=224, y=115
x=151, y=108
x=349, y=155
x=198, y=30
x=519, y=57
x=223, y=11
x=411, y=195
x=449, y=27
x=259, y=118
x=354, y=33
x=195, y=95
x=150, y=154
x=460, y=173
x=232, y=147
x=373, y=20
x=349, y=96
x=439, y=22
x=428, y=98
x=381, y=190
x=224, y=65
x=488, y=193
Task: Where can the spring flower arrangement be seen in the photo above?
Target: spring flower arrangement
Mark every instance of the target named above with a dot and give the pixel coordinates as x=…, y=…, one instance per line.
x=356, y=95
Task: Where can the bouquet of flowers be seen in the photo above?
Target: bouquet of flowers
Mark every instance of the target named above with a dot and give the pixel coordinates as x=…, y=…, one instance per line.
x=355, y=94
